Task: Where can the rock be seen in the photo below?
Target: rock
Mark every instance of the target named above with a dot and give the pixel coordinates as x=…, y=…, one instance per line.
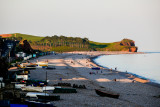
x=130, y=44
x=5, y=35
x=133, y=49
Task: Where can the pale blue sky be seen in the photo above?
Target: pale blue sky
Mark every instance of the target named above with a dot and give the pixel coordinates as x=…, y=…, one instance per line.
x=98, y=20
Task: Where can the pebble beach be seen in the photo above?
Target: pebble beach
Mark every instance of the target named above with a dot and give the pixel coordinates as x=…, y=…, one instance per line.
x=75, y=68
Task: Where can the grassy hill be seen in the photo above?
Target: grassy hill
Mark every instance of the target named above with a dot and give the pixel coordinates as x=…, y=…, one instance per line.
x=64, y=44
x=115, y=46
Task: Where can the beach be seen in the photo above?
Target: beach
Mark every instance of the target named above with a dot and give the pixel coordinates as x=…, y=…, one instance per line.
x=75, y=68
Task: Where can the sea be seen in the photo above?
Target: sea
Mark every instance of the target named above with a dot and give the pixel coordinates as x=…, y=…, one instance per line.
x=146, y=66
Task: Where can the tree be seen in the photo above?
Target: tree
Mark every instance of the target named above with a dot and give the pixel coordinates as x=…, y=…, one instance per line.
x=3, y=68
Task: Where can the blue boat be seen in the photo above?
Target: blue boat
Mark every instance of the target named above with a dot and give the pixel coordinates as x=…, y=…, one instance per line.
x=18, y=105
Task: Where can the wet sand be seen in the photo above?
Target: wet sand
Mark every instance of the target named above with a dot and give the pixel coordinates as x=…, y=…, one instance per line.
x=75, y=68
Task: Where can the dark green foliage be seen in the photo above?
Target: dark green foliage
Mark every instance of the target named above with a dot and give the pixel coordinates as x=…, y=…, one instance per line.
x=69, y=49
x=63, y=44
x=3, y=67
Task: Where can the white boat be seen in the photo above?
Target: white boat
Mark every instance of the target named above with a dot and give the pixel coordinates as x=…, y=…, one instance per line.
x=31, y=88
x=48, y=88
x=27, y=65
x=24, y=77
x=42, y=63
x=19, y=86
x=34, y=94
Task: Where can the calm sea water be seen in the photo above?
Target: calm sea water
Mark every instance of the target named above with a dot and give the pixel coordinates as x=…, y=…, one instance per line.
x=143, y=65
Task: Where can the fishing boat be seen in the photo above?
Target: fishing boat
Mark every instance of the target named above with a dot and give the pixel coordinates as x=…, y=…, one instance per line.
x=95, y=68
x=35, y=94
x=27, y=65
x=40, y=64
x=31, y=88
x=39, y=104
x=49, y=97
x=106, y=94
x=64, y=90
x=50, y=68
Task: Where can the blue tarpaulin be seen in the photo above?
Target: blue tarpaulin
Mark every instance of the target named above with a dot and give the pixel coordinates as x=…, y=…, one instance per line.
x=18, y=105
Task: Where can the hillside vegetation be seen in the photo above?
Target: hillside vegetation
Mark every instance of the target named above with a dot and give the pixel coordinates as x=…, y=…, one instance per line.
x=26, y=36
x=65, y=44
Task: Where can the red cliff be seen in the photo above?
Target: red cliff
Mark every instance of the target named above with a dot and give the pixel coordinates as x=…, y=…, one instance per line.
x=130, y=44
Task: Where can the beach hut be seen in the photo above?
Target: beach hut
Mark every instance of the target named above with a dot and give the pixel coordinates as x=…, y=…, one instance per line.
x=34, y=55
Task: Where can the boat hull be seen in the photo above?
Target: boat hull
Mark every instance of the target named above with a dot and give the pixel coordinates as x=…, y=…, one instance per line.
x=105, y=94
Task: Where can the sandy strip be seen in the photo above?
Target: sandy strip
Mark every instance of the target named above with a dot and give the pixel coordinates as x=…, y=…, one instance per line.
x=75, y=68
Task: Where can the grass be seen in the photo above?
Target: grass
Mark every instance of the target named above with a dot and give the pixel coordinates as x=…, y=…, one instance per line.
x=99, y=45
x=115, y=46
x=68, y=49
x=28, y=37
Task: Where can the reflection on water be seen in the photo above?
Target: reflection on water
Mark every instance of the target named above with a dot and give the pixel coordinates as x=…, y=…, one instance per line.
x=143, y=65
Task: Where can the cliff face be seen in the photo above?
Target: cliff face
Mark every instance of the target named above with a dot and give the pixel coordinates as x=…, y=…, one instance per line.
x=25, y=46
x=127, y=42
x=130, y=44
x=6, y=35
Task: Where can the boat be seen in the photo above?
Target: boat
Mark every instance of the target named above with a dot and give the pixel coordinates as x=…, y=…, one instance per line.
x=107, y=94
x=27, y=65
x=64, y=90
x=31, y=66
x=50, y=68
x=31, y=88
x=40, y=64
x=35, y=94
x=49, y=97
x=95, y=68
x=48, y=88
x=39, y=104
x=18, y=105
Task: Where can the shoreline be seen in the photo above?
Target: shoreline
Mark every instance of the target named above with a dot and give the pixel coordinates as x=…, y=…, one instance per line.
x=148, y=81
x=75, y=68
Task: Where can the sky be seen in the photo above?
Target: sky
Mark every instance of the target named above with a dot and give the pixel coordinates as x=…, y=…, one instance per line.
x=99, y=20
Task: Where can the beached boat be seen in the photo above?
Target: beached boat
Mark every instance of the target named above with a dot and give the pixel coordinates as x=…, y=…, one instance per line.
x=50, y=68
x=31, y=66
x=49, y=97
x=107, y=94
x=64, y=90
x=95, y=68
x=34, y=94
x=40, y=64
x=48, y=88
x=27, y=65
x=39, y=104
x=30, y=88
